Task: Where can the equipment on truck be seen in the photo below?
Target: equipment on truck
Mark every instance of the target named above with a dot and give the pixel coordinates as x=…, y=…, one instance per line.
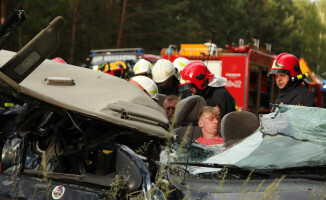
x=118, y=69
x=128, y=55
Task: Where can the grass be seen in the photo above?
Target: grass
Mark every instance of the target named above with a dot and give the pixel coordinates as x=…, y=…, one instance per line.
x=316, y=195
x=117, y=189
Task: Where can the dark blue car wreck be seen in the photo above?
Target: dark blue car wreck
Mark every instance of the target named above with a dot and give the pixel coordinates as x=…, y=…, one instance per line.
x=84, y=134
x=74, y=137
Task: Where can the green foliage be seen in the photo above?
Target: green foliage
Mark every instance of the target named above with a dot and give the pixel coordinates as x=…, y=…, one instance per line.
x=290, y=26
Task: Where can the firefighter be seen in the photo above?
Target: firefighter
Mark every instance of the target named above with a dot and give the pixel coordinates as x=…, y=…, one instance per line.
x=285, y=69
x=166, y=77
x=147, y=85
x=143, y=67
x=200, y=81
x=180, y=63
x=60, y=60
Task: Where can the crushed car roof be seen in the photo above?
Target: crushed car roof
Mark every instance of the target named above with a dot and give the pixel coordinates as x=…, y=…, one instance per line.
x=92, y=93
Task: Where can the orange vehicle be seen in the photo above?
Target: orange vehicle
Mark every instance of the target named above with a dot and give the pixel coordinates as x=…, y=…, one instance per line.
x=244, y=66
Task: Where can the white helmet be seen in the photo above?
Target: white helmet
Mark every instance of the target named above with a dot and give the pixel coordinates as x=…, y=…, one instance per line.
x=180, y=63
x=162, y=70
x=146, y=84
x=142, y=66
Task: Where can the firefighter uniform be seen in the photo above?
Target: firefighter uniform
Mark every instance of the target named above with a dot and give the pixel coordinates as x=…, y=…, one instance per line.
x=296, y=94
x=211, y=88
x=219, y=96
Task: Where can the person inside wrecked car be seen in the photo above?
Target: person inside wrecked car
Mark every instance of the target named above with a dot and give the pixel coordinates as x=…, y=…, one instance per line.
x=200, y=81
x=209, y=123
x=285, y=70
x=169, y=105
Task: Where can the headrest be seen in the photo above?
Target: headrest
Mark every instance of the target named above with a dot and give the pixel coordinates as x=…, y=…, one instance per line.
x=161, y=98
x=188, y=109
x=246, y=123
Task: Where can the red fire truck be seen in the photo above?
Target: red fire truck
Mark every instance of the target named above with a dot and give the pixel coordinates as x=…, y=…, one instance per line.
x=244, y=66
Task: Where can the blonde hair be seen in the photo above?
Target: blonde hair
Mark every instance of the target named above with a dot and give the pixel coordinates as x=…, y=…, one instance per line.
x=208, y=109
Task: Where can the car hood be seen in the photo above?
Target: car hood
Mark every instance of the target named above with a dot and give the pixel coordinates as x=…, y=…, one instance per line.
x=95, y=94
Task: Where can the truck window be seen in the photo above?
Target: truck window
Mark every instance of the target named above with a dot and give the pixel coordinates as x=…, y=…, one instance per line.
x=262, y=90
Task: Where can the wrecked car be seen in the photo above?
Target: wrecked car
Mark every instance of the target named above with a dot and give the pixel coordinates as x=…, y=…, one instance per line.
x=285, y=158
x=83, y=135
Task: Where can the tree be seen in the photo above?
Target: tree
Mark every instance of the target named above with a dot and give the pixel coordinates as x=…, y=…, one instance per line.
x=290, y=26
x=73, y=32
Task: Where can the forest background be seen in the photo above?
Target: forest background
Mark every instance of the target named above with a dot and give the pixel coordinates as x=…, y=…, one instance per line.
x=294, y=26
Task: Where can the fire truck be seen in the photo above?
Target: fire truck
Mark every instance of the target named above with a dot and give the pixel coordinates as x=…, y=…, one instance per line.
x=244, y=66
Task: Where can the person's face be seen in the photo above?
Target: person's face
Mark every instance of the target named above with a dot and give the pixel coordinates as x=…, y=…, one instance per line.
x=169, y=107
x=282, y=80
x=209, y=123
x=193, y=90
x=166, y=84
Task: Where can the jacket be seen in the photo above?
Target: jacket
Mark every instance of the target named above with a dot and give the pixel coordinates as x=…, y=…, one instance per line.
x=295, y=94
x=219, y=96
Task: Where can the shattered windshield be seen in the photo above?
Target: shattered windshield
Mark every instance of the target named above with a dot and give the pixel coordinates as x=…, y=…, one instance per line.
x=301, y=123
x=192, y=152
x=294, y=136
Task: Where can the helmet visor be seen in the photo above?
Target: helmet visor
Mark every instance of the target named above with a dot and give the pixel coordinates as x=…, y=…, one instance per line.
x=276, y=71
x=185, y=84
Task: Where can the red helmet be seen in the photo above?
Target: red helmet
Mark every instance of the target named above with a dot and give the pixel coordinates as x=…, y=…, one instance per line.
x=195, y=73
x=286, y=63
x=60, y=60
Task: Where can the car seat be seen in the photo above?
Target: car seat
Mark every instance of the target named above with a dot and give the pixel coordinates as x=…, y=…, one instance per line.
x=237, y=125
x=161, y=98
x=186, y=117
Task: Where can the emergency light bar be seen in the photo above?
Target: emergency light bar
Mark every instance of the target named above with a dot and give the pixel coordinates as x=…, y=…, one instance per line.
x=109, y=51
